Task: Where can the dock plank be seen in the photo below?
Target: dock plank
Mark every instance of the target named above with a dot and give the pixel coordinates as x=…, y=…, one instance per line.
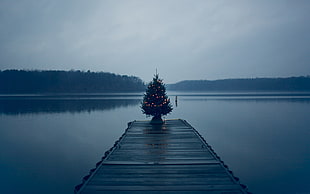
x=168, y=158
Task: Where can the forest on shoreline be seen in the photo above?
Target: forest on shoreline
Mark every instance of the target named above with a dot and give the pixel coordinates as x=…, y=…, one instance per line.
x=57, y=81
x=293, y=84
x=29, y=82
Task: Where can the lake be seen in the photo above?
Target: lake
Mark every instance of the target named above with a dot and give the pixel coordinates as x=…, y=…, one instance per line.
x=48, y=143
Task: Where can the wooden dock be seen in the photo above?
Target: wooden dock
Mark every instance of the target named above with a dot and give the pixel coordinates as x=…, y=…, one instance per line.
x=168, y=158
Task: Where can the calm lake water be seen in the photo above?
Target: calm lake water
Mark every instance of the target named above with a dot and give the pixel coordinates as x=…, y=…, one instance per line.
x=48, y=143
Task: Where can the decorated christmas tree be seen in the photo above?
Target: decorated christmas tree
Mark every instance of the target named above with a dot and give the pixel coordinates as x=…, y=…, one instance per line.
x=156, y=102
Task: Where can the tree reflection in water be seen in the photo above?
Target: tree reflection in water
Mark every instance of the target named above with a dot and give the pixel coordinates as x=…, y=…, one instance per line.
x=35, y=105
x=156, y=142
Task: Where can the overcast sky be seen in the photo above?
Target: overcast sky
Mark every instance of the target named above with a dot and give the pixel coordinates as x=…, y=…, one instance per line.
x=184, y=40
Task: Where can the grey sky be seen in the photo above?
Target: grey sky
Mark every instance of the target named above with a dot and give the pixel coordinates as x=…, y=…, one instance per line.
x=182, y=39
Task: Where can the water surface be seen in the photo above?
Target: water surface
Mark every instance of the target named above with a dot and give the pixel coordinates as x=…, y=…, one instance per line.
x=48, y=143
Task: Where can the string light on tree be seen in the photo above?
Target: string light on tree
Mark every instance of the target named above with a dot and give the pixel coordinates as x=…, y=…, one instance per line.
x=155, y=101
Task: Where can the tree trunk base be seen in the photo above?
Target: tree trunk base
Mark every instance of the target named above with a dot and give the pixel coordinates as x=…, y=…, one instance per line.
x=157, y=121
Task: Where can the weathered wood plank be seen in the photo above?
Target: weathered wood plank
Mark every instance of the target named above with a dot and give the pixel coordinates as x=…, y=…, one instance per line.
x=168, y=158
x=163, y=162
x=163, y=188
x=166, y=192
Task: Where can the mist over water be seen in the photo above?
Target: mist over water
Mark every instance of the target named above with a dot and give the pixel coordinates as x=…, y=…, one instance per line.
x=48, y=143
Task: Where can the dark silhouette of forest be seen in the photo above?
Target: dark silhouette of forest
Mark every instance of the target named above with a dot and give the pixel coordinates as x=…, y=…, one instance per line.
x=255, y=84
x=21, y=81
x=40, y=82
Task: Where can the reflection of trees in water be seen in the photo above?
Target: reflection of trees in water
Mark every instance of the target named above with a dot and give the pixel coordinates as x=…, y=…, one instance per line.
x=156, y=142
x=258, y=98
x=27, y=106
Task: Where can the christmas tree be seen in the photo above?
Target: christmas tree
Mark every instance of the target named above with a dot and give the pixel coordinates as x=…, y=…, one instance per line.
x=155, y=101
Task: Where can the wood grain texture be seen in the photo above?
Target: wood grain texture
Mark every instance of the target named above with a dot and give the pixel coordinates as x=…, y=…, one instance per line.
x=168, y=158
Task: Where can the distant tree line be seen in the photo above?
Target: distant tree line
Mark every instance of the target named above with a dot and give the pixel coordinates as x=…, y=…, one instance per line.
x=21, y=81
x=255, y=84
